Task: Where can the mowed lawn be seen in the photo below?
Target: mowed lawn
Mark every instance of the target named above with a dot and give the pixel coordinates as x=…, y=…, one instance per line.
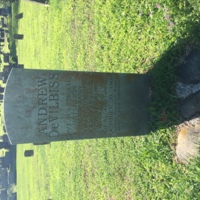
x=109, y=36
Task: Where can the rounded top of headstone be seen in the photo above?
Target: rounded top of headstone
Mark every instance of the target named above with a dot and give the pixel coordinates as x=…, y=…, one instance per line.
x=20, y=103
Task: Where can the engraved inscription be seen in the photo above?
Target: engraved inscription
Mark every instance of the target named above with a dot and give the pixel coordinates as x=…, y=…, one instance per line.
x=92, y=105
x=111, y=117
x=48, y=105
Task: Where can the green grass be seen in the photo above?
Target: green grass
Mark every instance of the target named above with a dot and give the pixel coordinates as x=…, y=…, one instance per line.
x=109, y=36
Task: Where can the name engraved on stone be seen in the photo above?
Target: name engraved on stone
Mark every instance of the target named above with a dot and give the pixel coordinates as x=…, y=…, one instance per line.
x=48, y=105
x=42, y=106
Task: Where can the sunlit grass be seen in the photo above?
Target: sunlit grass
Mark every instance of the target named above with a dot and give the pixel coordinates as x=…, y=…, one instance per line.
x=109, y=36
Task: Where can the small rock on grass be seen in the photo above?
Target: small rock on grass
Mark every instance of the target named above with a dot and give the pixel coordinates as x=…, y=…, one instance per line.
x=188, y=141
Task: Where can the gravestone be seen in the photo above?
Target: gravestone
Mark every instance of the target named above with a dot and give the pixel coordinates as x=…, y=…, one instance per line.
x=4, y=76
x=12, y=177
x=3, y=23
x=41, y=106
x=6, y=57
x=18, y=36
x=2, y=34
x=3, y=195
x=13, y=196
x=5, y=138
x=7, y=159
x=3, y=12
x=2, y=163
x=39, y=2
x=4, y=179
x=1, y=97
x=1, y=89
x=2, y=40
x=28, y=153
x=19, y=16
x=4, y=145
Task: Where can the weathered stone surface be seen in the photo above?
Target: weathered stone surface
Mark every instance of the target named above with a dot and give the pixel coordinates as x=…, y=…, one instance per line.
x=184, y=90
x=43, y=106
x=188, y=141
x=188, y=72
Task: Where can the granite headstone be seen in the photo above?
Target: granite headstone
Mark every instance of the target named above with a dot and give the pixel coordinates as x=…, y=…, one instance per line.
x=41, y=106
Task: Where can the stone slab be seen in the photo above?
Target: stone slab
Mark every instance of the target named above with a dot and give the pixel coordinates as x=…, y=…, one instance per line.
x=42, y=106
x=188, y=139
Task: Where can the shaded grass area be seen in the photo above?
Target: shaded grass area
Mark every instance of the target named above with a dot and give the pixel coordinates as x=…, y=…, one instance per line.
x=110, y=36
